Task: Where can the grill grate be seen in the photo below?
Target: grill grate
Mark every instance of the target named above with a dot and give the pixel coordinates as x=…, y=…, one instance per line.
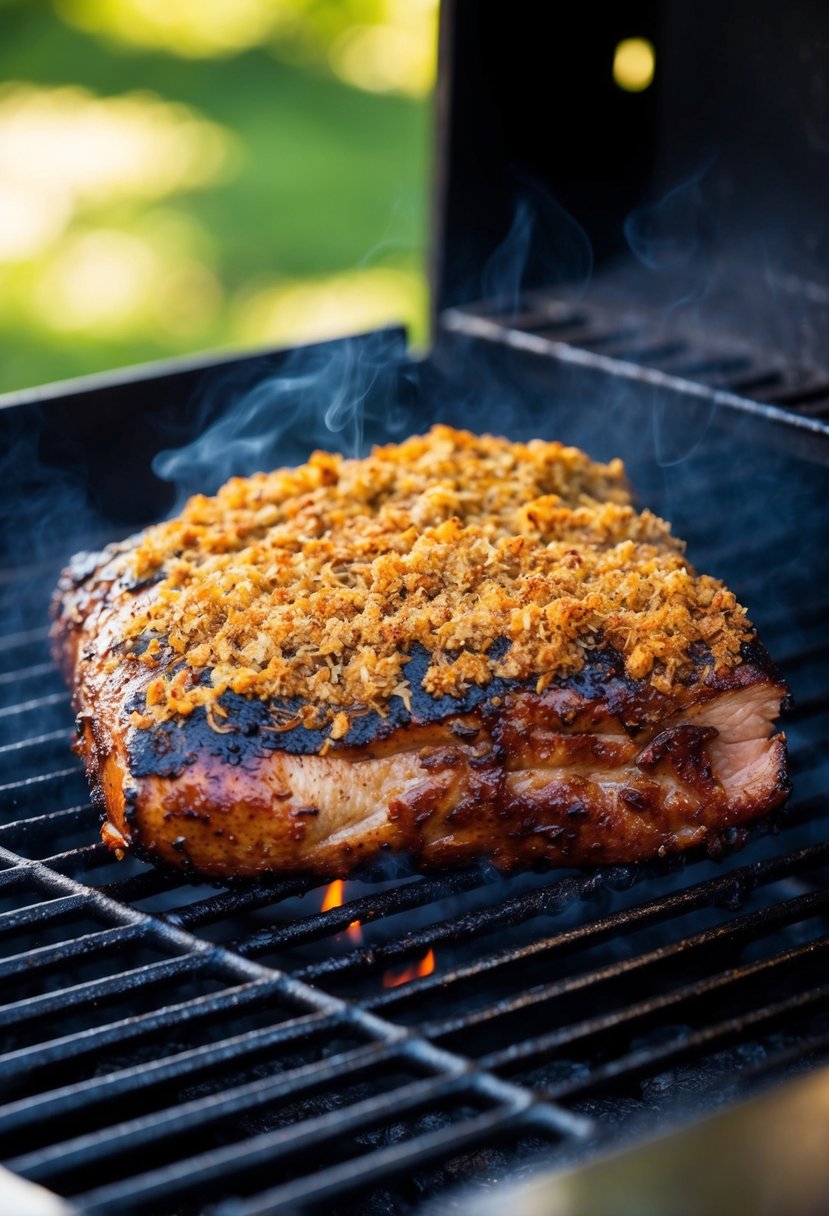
x=594, y=335
x=184, y=1048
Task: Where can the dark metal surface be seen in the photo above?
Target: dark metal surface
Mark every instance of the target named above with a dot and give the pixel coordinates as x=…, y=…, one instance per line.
x=77, y=458
x=704, y=196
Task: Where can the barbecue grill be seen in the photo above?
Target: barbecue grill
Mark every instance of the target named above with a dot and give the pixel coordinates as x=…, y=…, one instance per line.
x=282, y=1047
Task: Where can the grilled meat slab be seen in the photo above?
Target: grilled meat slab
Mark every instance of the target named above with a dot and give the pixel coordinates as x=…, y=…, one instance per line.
x=649, y=734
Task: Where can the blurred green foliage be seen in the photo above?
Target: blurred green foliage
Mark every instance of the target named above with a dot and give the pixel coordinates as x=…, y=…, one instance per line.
x=307, y=217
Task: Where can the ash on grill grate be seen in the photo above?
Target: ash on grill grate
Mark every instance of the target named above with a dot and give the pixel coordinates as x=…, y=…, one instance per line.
x=514, y=1157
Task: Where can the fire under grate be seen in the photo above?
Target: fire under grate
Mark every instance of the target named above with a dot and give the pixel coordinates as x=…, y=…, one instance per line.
x=180, y=1048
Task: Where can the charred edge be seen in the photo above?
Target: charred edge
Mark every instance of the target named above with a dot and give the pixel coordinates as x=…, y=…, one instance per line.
x=756, y=660
x=167, y=749
x=131, y=796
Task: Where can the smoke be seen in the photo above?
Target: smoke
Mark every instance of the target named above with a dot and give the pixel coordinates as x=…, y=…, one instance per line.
x=258, y=413
x=503, y=275
x=349, y=393
x=343, y=394
x=544, y=245
x=41, y=490
x=668, y=233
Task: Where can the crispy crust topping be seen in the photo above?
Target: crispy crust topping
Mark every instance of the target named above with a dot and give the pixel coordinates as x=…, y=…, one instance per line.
x=316, y=582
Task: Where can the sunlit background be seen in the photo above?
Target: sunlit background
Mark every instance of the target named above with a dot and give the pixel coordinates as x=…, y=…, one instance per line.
x=189, y=175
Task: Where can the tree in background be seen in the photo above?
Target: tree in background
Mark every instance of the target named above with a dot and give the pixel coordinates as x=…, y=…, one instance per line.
x=190, y=174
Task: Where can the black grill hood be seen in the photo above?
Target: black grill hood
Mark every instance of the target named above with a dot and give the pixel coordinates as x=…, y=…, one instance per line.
x=701, y=202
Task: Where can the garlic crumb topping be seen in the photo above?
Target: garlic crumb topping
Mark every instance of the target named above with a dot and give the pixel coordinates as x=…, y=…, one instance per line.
x=315, y=582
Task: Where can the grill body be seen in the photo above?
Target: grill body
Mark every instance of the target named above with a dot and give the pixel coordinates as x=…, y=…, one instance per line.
x=189, y=1049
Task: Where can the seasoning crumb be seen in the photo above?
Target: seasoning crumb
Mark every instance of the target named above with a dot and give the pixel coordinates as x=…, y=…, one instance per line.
x=339, y=727
x=316, y=582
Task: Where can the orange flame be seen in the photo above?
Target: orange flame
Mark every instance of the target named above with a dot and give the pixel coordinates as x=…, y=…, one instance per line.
x=333, y=898
x=415, y=971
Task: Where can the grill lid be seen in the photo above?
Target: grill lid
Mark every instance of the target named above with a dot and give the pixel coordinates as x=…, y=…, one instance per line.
x=699, y=203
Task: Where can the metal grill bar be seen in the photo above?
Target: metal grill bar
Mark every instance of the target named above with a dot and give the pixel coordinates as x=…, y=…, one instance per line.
x=808, y=1049
x=98, y=990
x=53, y=736
x=23, y=830
x=325, y=1182
x=502, y=915
x=13, y=641
x=92, y=856
x=648, y=1060
x=128, y=1082
x=723, y=889
x=560, y=348
x=242, y=899
x=31, y=783
x=41, y=914
x=200, y=1113
x=443, y=1063
x=86, y=1042
x=30, y=672
x=269, y=1147
x=15, y=877
x=623, y=1019
x=80, y=947
x=338, y=1180
x=141, y=886
x=27, y=707
x=366, y=909
x=741, y=929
